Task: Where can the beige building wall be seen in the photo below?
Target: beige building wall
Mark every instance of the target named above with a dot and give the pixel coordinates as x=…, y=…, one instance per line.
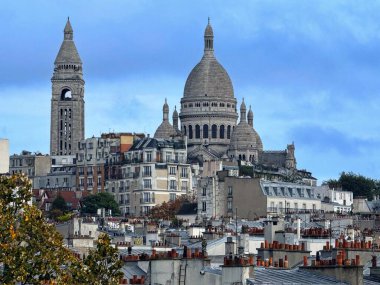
x=247, y=196
x=4, y=156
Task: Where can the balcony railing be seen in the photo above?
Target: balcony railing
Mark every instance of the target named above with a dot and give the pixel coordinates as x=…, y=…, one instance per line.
x=184, y=175
x=183, y=188
x=147, y=174
x=291, y=210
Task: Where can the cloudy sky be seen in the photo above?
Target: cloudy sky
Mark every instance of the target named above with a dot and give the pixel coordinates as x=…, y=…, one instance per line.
x=310, y=70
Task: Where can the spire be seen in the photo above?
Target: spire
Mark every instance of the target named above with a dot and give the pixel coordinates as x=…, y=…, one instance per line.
x=250, y=116
x=68, y=31
x=68, y=54
x=165, y=111
x=175, y=118
x=209, y=39
x=243, y=112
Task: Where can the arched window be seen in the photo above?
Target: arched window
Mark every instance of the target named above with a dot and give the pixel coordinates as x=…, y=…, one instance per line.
x=228, y=132
x=239, y=156
x=190, y=131
x=184, y=130
x=197, y=132
x=205, y=131
x=214, y=131
x=243, y=156
x=221, y=132
x=66, y=94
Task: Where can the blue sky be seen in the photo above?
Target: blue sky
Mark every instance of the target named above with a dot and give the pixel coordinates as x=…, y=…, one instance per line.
x=310, y=70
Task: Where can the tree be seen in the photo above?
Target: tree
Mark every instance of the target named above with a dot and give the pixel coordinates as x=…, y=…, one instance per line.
x=358, y=184
x=30, y=249
x=102, y=266
x=59, y=203
x=167, y=210
x=90, y=204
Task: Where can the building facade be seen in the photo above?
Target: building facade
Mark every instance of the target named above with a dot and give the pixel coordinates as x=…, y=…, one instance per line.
x=154, y=171
x=67, y=102
x=4, y=156
x=34, y=165
x=221, y=195
x=336, y=200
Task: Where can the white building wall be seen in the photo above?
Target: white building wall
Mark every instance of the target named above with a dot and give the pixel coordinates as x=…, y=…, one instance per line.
x=4, y=156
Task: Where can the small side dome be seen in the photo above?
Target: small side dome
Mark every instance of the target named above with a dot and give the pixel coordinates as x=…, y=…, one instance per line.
x=165, y=130
x=250, y=116
x=175, y=113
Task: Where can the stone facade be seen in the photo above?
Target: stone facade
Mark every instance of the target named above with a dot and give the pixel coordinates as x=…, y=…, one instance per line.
x=67, y=103
x=153, y=171
x=208, y=107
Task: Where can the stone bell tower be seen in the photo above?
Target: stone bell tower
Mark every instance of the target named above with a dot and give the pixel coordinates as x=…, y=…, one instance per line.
x=67, y=102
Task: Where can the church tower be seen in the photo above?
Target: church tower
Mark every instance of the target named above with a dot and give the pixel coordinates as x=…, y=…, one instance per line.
x=67, y=102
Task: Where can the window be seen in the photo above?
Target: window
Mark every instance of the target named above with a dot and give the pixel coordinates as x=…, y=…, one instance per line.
x=203, y=206
x=190, y=132
x=89, y=181
x=173, y=185
x=184, y=173
x=149, y=156
x=229, y=206
x=197, y=132
x=304, y=206
x=230, y=191
x=184, y=186
x=172, y=197
x=147, y=171
x=168, y=157
x=81, y=181
x=147, y=184
x=221, y=132
x=296, y=206
x=204, y=191
x=99, y=181
x=172, y=170
x=214, y=131
x=205, y=131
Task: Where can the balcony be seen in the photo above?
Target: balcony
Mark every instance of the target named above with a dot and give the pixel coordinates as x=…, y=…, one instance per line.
x=147, y=200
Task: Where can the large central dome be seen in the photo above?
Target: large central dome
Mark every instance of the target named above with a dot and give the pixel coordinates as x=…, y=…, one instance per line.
x=208, y=78
x=208, y=106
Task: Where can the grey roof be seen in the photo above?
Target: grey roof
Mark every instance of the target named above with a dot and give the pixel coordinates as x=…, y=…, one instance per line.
x=130, y=270
x=294, y=276
x=68, y=52
x=157, y=143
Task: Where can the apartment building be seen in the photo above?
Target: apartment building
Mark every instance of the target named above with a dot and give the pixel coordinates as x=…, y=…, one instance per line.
x=153, y=171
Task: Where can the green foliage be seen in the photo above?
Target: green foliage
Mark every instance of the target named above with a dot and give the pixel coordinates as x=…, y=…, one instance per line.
x=358, y=184
x=66, y=217
x=59, y=203
x=102, y=266
x=92, y=203
x=30, y=249
x=246, y=170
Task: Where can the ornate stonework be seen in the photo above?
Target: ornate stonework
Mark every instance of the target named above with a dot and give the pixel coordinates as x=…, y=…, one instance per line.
x=208, y=107
x=67, y=102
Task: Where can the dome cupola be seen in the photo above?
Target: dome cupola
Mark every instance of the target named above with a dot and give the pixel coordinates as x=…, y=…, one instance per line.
x=165, y=130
